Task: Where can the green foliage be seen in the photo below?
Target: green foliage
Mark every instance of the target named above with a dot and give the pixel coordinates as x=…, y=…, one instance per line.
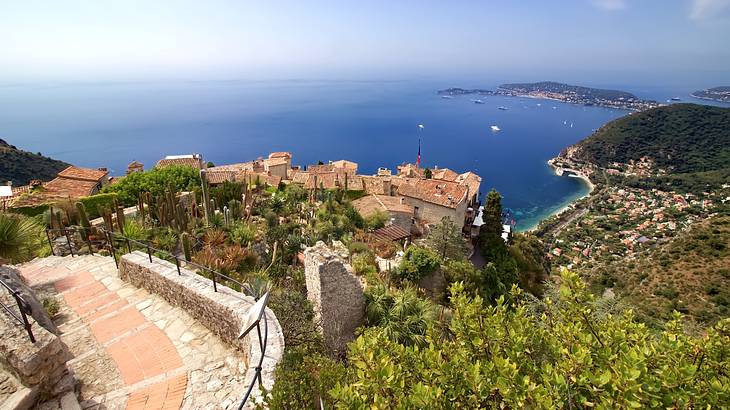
x=690, y=140
x=51, y=306
x=559, y=353
x=445, y=238
x=495, y=279
x=226, y=192
x=156, y=181
x=417, y=263
x=490, y=234
x=21, y=167
x=364, y=263
x=377, y=220
x=134, y=230
x=401, y=313
x=304, y=380
x=94, y=203
x=243, y=233
x=427, y=173
x=21, y=237
x=31, y=211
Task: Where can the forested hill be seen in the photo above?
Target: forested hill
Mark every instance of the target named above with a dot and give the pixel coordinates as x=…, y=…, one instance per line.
x=21, y=166
x=680, y=138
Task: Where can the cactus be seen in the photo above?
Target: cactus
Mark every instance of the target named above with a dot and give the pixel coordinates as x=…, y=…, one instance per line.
x=186, y=245
x=140, y=206
x=206, y=197
x=120, y=218
x=84, y=220
x=59, y=219
x=234, y=206
x=227, y=216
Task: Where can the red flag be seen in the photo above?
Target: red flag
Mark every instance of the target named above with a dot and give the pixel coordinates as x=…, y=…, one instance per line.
x=418, y=160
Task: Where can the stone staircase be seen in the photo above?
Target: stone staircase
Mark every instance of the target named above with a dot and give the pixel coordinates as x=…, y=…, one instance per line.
x=131, y=349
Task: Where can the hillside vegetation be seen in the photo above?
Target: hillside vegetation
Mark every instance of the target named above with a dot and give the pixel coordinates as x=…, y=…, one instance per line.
x=21, y=166
x=679, y=138
x=690, y=274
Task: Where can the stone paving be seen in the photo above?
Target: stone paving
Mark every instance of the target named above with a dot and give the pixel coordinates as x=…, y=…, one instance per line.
x=132, y=350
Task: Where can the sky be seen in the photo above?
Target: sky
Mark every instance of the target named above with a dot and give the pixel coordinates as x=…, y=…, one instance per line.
x=599, y=41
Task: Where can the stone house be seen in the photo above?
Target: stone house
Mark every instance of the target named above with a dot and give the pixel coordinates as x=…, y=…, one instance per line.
x=434, y=199
x=401, y=214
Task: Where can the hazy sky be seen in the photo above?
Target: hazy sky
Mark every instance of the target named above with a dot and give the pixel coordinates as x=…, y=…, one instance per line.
x=607, y=40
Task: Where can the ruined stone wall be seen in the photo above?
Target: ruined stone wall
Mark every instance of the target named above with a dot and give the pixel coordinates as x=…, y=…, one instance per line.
x=39, y=366
x=222, y=312
x=335, y=292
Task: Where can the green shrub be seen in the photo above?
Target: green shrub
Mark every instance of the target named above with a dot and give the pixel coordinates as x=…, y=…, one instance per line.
x=417, y=263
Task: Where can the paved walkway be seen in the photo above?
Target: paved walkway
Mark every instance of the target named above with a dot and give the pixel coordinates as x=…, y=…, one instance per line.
x=132, y=350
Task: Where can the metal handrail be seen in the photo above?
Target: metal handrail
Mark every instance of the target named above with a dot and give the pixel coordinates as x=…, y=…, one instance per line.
x=110, y=239
x=148, y=247
x=23, y=307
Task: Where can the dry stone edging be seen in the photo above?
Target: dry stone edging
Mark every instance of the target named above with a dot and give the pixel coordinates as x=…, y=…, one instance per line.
x=222, y=312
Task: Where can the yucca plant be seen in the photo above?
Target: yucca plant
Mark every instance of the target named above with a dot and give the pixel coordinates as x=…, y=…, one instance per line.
x=19, y=237
x=402, y=314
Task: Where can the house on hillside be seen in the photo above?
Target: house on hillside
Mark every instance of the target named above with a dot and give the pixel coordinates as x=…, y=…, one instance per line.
x=191, y=160
x=72, y=182
x=434, y=199
x=399, y=212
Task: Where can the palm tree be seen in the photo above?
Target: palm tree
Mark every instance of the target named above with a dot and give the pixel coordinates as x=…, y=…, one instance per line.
x=18, y=235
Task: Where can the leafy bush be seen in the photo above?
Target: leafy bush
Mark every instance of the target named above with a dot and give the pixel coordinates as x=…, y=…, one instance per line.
x=554, y=354
x=156, y=181
x=417, y=263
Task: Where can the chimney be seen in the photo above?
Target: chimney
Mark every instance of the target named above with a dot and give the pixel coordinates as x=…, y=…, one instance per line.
x=402, y=200
x=103, y=169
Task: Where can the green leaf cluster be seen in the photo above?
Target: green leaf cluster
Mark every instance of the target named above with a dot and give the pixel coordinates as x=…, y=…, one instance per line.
x=558, y=353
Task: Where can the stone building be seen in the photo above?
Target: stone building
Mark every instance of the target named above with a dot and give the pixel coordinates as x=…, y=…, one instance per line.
x=190, y=160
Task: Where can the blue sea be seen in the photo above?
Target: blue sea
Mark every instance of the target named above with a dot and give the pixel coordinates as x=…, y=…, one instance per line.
x=374, y=123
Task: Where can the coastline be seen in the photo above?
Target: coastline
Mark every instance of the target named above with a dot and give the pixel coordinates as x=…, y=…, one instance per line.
x=586, y=180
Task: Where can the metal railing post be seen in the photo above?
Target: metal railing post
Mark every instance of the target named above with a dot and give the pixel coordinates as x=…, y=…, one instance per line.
x=110, y=241
x=68, y=242
x=177, y=263
x=50, y=243
x=26, y=324
x=149, y=252
x=129, y=246
x=215, y=287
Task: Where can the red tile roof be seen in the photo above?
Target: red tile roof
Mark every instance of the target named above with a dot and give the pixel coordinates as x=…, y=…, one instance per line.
x=196, y=163
x=83, y=174
x=443, y=193
x=280, y=154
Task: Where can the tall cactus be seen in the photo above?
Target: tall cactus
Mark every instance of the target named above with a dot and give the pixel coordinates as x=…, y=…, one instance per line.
x=84, y=220
x=206, y=196
x=186, y=245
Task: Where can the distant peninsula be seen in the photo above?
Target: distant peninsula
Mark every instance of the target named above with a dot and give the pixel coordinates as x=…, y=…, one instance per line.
x=566, y=93
x=720, y=94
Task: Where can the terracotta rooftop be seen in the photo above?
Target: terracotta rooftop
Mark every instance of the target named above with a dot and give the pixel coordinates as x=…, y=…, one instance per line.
x=368, y=205
x=443, y=193
x=196, y=163
x=83, y=174
x=280, y=154
x=445, y=174
x=219, y=177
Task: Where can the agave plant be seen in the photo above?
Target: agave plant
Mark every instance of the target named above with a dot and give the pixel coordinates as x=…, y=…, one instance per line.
x=402, y=314
x=257, y=287
x=19, y=237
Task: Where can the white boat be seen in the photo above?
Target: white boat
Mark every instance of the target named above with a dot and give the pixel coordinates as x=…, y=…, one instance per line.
x=495, y=128
x=447, y=97
x=565, y=122
x=503, y=108
x=477, y=101
x=539, y=105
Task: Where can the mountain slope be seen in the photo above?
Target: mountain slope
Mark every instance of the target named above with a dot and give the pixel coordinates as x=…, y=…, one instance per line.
x=680, y=138
x=21, y=166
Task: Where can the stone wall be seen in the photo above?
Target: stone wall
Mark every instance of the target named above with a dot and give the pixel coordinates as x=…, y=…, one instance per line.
x=222, y=312
x=335, y=292
x=40, y=366
x=432, y=213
